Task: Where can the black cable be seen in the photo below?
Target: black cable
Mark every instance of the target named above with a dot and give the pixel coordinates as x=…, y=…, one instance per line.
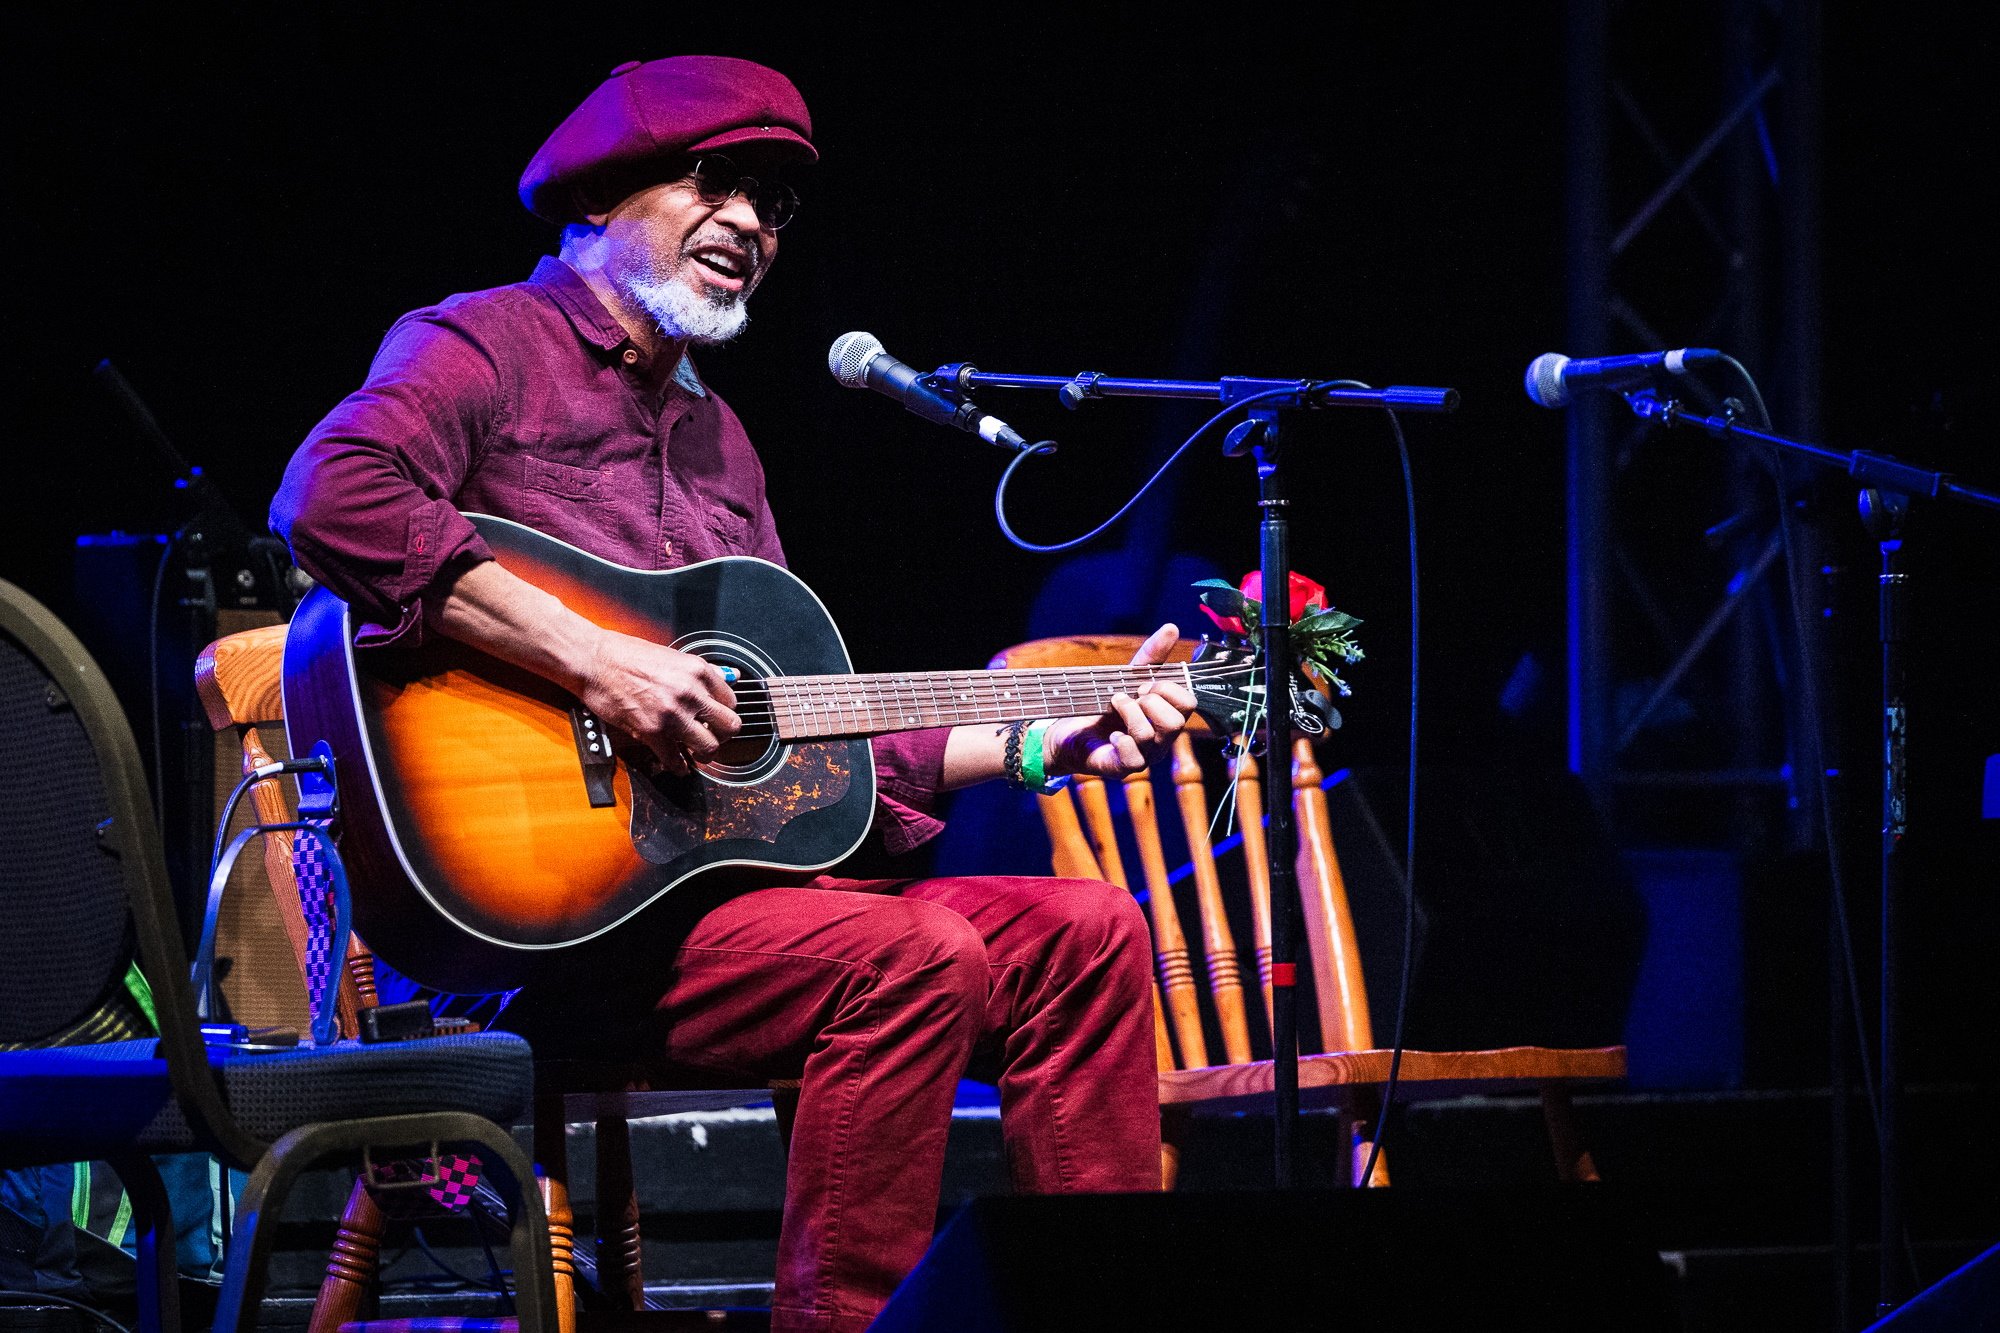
x=310, y=764
x=479, y=1225
x=1809, y=682
x=1750, y=387
x=1836, y=877
x=1410, y=834
x=10, y=1294
x=417, y=1235
x=228, y=814
x=1048, y=447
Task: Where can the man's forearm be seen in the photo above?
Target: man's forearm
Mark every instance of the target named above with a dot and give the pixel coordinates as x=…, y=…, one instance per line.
x=972, y=754
x=506, y=616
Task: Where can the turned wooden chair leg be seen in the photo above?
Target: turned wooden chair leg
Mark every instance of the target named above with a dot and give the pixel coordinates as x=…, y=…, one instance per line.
x=619, y=1244
x=1175, y=1124
x=552, y=1175
x=1364, y=1125
x=1360, y=1142
x=1573, y=1161
x=351, y=1267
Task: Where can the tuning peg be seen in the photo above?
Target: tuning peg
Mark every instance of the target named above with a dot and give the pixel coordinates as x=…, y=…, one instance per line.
x=1313, y=713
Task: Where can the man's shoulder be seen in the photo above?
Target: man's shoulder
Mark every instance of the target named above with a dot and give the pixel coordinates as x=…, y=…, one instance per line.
x=491, y=307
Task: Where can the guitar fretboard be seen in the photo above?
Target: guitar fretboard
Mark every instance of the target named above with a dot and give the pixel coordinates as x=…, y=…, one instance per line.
x=828, y=707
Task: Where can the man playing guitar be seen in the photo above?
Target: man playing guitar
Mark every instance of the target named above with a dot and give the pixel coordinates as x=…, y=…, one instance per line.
x=568, y=403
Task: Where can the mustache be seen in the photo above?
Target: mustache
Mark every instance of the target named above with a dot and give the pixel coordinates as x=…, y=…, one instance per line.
x=747, y=248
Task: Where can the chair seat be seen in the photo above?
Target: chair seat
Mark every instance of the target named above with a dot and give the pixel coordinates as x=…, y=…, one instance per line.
x=1332, y=1079
x=85, y=1099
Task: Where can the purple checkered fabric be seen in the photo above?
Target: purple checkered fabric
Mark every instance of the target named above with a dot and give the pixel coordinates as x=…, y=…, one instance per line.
x=453, y=1178
x=315, y=883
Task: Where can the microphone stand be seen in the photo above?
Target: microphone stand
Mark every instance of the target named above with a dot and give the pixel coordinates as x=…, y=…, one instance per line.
x=1258, y=434
x=1888, y=485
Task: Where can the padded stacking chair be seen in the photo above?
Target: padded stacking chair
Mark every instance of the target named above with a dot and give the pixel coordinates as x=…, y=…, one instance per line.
x=239, y=679
x=1348, y=1077
x=82, y=881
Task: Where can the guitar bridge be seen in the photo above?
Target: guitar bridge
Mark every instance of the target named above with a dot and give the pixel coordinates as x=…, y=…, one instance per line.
x=593, y=752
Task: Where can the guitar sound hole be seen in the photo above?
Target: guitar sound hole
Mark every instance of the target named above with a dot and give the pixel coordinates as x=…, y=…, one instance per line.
x=744, y=749
x=755, y=751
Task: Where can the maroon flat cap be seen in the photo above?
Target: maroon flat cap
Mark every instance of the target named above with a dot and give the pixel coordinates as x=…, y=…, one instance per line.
x=646, y=116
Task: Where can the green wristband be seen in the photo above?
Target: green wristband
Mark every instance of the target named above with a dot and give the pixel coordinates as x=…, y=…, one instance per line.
x=1032, y=760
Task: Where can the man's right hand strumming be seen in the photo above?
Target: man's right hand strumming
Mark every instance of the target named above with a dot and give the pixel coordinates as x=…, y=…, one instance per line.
x=674, y=703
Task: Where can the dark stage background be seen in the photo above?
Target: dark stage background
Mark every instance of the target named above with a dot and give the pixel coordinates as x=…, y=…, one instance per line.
x=234, y=210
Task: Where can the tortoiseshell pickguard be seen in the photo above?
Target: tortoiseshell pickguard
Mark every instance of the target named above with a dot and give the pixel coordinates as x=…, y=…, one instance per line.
x=672, y=816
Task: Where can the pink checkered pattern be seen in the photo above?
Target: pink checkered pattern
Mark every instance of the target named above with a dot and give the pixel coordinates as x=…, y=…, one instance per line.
x=453, y=1178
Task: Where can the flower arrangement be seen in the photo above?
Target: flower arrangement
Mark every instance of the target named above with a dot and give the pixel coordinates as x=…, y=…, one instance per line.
x=1320, y=635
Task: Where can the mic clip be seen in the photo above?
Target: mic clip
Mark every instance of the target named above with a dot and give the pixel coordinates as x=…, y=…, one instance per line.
x=950, y=380
x=1650, y=406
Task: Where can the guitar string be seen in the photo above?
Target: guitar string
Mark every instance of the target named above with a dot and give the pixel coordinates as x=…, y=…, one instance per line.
x=901, y=691
x=1002, y=698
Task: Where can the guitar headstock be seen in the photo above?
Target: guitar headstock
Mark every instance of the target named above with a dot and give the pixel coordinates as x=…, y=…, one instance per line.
x=1229, y=690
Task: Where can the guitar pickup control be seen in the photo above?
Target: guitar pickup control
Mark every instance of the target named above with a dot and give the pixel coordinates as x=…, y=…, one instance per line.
x=593, y=751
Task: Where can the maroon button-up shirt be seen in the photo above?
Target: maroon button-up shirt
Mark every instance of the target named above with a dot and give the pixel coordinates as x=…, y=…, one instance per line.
x=530, y=402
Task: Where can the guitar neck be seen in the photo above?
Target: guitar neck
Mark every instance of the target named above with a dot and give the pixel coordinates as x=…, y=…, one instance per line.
x=806, y=708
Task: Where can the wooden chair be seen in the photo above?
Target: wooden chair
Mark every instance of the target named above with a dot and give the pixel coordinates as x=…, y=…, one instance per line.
x=239, y=679
x=1347, y=1078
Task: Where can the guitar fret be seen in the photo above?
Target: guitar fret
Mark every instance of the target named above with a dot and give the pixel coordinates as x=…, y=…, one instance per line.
x=812, y=707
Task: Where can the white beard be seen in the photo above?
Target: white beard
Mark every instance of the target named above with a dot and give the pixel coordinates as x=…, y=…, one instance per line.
x=682, y=313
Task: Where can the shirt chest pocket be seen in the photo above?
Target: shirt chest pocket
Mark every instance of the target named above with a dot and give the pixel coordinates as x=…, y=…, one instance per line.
x=731, y=529
x=561, y=499
x=541, y=476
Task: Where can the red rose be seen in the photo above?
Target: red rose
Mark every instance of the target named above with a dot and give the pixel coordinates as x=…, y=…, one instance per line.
x=1306, y=595
x=1228, y=624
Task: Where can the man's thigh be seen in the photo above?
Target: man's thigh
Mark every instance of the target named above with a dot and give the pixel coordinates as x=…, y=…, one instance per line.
x=755, y=981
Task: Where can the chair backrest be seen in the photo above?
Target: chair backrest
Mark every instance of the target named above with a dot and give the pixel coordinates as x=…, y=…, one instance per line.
x=240, y=680
x=65, y=921
x=1083, y=835
x=82, y=874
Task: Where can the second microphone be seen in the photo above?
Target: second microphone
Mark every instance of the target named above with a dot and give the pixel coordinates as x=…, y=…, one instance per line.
x=859, y=361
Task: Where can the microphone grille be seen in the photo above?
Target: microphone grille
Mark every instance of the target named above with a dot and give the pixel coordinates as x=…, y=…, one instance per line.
x=849, y=356
x=1545, y=380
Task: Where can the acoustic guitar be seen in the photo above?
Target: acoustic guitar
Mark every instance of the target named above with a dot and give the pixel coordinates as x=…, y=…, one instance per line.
x=488, y=821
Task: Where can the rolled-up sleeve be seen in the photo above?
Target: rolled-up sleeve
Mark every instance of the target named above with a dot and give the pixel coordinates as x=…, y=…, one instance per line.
x=909, y=767
x=366, y=502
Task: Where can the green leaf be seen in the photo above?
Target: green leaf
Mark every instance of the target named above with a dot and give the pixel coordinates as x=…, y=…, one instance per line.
x=1221, y=598
x=1324, y=620
x=1316, y=648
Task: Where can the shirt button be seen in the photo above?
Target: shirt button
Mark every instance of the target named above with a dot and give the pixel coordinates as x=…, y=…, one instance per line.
x=631, y=356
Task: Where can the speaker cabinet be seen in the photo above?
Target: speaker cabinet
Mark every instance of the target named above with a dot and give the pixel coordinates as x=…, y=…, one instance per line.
x=1559, y=1259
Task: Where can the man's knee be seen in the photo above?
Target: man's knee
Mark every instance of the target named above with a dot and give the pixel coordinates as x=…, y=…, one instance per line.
x=938, y=945
x=1100, y=918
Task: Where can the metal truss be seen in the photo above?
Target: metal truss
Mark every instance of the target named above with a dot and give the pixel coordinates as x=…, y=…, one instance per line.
x=1692, y=199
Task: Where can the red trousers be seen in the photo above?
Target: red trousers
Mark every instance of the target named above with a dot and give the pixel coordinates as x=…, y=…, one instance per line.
x=879, y=995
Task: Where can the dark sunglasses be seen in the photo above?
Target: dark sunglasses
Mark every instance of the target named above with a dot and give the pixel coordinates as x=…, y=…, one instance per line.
x=717, y=180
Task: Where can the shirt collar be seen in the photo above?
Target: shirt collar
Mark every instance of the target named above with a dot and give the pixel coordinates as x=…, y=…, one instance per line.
x=685, y=377
x=592, y=321
x=568, y=290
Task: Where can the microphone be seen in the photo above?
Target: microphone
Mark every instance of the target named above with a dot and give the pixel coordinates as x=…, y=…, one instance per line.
x=858, y=361
x=1553, y=378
